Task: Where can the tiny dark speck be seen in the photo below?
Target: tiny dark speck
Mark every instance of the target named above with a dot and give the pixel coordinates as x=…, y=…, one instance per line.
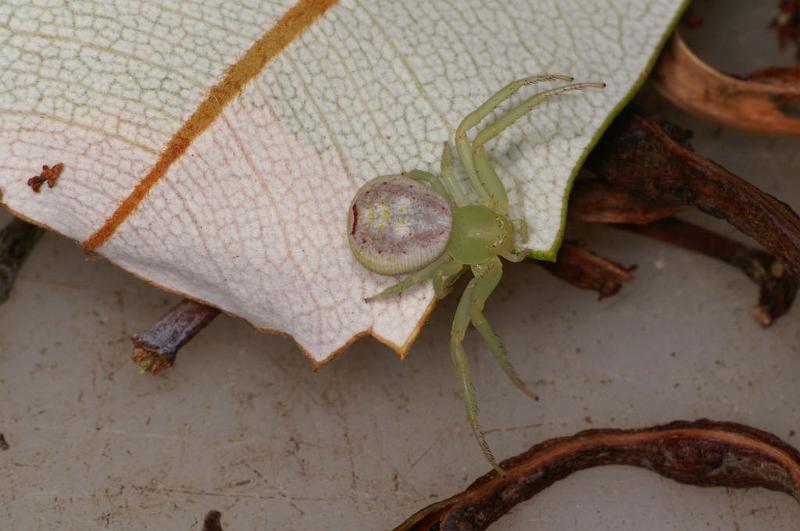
x=3, y=443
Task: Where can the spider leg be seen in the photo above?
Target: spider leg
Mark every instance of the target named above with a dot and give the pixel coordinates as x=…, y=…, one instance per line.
x=518, y=254
x=426, y=273
x=433, y=181
x=459, y=356
x=448, y=176
x=487, y=276
x=445, y=277
x=463, y=147
x=496, y=127
x=491, y=182
x=483, y=167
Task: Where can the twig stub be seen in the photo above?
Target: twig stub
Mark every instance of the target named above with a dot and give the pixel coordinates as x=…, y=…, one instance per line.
x=155, y=349
x=586, y=270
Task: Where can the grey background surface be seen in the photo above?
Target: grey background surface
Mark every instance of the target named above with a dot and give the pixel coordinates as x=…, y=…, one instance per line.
x=243, y=425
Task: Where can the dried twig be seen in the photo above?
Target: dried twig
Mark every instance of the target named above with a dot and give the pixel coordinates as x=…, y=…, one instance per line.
x=586, y=270
x=156, y=348
x=703, y=453
x=778, y=287
x=17, y=240
x=638, y=156
x=598, y=201
x=752, y=103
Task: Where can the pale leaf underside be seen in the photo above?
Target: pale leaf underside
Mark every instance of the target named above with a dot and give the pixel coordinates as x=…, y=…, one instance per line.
x=249, y=214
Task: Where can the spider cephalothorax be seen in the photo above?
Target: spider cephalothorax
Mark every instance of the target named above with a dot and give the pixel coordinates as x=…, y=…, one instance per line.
x=426, y=225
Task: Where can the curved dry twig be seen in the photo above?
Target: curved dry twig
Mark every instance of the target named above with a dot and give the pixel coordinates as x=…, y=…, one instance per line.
x=778, y=288
x=597, y=201
x=642, y=158
x=753, y=103
x=703, y=453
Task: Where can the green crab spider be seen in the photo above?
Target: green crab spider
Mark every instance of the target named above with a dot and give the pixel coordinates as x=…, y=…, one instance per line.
x=426, y=225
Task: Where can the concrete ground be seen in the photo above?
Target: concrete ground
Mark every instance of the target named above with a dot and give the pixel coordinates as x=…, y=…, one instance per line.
x=243, y=425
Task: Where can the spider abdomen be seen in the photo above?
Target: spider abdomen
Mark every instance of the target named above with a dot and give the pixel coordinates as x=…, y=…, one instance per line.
x=398, y=225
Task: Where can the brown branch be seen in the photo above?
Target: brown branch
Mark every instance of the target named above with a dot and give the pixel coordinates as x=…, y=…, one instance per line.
x=17, y=240
x=751, y=103
x=638, y=156
x=703, y=453
x=597, y=201
x=777, y=287
x=156, y=348
x=586, y=270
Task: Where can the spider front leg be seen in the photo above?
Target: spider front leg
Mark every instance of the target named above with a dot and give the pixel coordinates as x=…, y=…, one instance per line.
x=470, y=310
x=491, y=191
x=507, y=119
x=483, y=167
x=488, y=275
x=444, y=185
x=459, y=356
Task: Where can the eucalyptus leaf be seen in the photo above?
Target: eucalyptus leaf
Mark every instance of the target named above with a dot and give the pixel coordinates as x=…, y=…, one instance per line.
x=213, y=147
